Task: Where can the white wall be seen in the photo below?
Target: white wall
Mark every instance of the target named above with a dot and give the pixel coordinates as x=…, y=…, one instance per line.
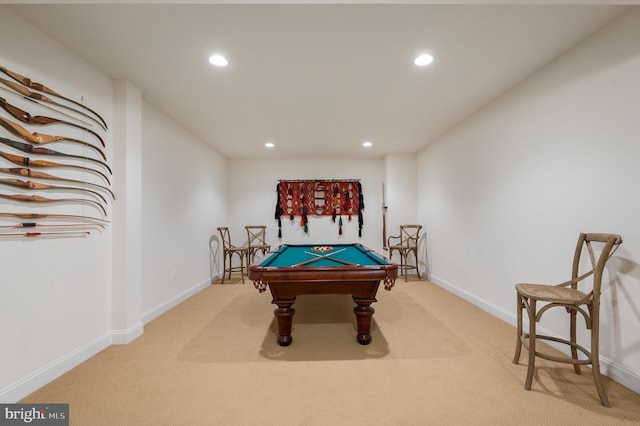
x=184, y=199
x=505, y=194
x=400, y=181
x=54, y=308
x=400, y=191
x=59, y=303
x=252, y=200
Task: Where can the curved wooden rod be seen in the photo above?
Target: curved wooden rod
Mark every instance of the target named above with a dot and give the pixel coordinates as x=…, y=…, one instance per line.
x=42, y=105
x=22, y=171
x=43, y=139
x=28, y=162
x=25, y=117
x=28, y=184
x=43, y=234
x=41, y=87
x=53, y=216
x=30, y=149
x=41, y=199
x=40, y=97
x=27, y=225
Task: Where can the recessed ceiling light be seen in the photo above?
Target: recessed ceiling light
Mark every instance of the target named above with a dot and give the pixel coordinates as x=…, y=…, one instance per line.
x=422, y=60
x=218, y=60
x=367, y=144
x=269, y=145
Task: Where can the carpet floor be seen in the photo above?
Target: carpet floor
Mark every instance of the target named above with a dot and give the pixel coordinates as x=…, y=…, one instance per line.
x=434, y=360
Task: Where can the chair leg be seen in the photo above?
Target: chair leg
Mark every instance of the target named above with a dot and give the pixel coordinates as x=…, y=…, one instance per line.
x=224, y=266
x=516, y=356
x=597, y=378
x=573, y=337
x=242, y=256
x=403, y=265
x=532, y=344
x=595, y=361
x=230, y=264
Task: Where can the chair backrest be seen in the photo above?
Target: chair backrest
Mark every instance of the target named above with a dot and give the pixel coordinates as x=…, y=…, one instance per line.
x=600, y=247
x=226, y=237
x=256, y=235
x=410, y=235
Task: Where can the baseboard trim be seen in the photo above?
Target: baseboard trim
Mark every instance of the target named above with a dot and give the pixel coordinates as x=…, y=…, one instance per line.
x=34, y=381
x=619, y=373
x=160, y=309
x=494, y=310
x=123, y=337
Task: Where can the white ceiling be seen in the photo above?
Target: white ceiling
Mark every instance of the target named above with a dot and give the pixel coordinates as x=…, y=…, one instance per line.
x=319, y=79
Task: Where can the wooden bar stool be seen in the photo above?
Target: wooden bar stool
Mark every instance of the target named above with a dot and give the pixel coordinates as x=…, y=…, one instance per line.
x=575, y=296
x=256, y=241
x=406, y=243
x=228, y=251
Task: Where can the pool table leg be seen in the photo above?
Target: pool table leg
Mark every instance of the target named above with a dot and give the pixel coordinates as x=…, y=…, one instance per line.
x=284, y=313
x=363, y=312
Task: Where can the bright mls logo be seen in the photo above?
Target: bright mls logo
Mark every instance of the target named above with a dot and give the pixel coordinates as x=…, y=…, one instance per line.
x=34, y=414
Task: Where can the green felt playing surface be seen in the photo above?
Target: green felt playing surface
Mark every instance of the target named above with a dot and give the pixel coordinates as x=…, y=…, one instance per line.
x=289, y=255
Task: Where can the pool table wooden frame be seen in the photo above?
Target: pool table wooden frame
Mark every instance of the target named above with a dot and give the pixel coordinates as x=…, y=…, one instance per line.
x=360, y=281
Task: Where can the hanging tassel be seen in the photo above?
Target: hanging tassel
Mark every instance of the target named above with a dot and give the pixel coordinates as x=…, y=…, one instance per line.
x=304, y=220
x=360, y=208
x=340, y=226
x=292, y=204
x=279, y=212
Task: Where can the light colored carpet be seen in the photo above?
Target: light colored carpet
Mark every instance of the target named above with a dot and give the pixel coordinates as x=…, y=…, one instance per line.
x=434, y=360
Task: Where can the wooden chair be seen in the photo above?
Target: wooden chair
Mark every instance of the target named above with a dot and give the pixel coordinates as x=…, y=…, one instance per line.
x=405, y=244
x=256, y=241
x=228, y=251
x=576, y=296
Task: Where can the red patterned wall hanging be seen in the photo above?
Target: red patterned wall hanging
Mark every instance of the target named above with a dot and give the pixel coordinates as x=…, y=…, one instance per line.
x=319, y=197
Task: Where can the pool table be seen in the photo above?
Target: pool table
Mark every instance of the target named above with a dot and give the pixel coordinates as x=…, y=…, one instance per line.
x=296, y=269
